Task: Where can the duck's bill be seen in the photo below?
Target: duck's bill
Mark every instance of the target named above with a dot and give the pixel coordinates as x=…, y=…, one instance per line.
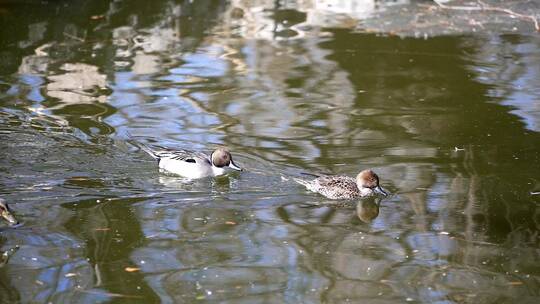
x=235, y=167
x=8, y=217
x=380, y=190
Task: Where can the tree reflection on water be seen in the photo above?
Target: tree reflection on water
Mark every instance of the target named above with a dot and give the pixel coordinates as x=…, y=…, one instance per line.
x=289, y=87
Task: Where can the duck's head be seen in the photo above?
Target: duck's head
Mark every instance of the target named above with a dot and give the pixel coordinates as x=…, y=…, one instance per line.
x=367, y=180
x=6, y=214
x=222, y=158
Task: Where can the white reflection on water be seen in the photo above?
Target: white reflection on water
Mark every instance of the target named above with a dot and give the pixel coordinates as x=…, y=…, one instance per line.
x=509, y=65
x=76, y=83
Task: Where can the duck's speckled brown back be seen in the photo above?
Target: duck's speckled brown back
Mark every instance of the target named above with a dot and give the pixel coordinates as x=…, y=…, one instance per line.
x=336, y=187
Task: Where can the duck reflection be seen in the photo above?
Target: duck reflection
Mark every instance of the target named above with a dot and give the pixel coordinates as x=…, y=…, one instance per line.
x=174, y=182
x=6, y=214
x=368, y=209
x=5, y=255
x=8, y=292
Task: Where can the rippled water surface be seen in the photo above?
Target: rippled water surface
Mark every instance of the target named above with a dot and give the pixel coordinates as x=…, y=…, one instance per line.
x=451, y=124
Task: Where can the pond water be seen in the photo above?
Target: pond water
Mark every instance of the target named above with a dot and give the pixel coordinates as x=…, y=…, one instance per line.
x=451, y=124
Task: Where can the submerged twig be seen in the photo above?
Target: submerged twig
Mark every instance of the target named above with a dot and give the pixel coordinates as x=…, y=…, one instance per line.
x=485, y=7
x=109, y=294
x=73, y=37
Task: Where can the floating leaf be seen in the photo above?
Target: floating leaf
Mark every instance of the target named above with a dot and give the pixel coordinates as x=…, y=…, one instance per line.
x=132, y=269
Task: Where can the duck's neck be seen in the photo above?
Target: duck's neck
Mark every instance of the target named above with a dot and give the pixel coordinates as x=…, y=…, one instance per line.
x=366, y=191
x=218, y=171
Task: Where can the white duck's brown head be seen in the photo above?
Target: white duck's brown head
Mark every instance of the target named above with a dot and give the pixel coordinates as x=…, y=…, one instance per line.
x=222, y=158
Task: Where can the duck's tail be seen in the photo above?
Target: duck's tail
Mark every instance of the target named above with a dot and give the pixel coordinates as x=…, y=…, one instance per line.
x=302, y=182
x=310, y=174
x=142, y=146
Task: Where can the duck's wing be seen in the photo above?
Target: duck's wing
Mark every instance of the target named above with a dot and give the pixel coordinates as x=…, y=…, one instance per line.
x=327, y=182
x=337, y=187
x=336, y=181
x=158, y=152
x=180, y=155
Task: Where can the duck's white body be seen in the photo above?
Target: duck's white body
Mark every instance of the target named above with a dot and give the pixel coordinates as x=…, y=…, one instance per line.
x=191, y=164
x=196, y=167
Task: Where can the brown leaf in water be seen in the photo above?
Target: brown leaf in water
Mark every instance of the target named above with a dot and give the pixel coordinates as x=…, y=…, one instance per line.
x=132, y=269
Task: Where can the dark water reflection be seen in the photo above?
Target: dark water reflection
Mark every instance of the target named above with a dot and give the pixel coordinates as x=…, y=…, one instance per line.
x=451, y=124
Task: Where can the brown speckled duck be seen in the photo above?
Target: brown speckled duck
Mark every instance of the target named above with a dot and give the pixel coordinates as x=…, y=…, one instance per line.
x=345, y=187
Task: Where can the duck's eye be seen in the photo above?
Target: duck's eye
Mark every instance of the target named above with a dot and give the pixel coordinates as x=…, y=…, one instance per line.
x=190, y=160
